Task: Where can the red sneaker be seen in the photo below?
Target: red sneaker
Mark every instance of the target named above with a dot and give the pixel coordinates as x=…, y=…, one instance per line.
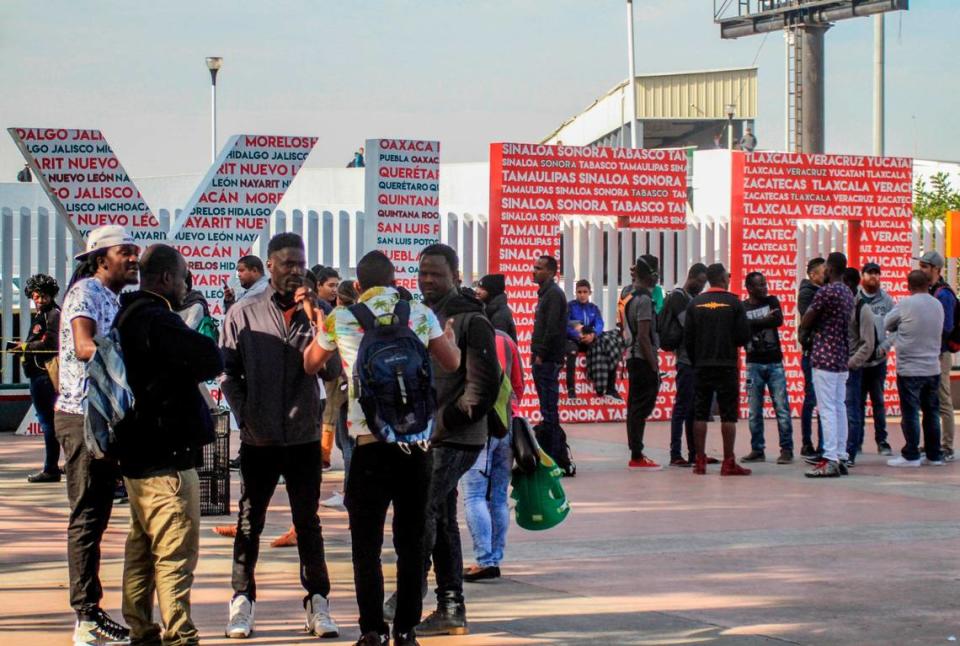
x=700, y=465
x=731, y=468
x=645, y=464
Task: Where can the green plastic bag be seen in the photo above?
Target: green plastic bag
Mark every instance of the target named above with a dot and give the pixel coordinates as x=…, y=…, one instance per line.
x=210, y=327
x=541, y=501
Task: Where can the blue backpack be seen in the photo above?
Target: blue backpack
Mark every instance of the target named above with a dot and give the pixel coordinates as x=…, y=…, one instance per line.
x=393, y=379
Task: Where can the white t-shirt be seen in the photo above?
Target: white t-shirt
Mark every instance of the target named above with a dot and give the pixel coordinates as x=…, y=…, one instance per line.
x=91, y=299
x=342, y=331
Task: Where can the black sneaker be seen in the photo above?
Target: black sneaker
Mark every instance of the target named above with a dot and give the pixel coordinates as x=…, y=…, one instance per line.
x=884, y=449
x=851, y=462
x=808, y=451
x=374, y=638
x=99, y=630
x=812, y=459
x=120, y=493
x=481, y=573
x=842, y=467
x=405, y=639
x=754, y=456
x=235, y=464
x=43, y=476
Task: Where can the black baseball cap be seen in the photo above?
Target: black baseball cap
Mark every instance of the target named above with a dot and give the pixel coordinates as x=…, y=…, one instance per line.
x=871, y=268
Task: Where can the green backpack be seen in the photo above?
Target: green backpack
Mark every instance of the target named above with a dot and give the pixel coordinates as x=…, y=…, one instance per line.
x=541, y=502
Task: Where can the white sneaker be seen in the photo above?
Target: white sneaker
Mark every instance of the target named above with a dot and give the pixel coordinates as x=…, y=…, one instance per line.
x=319, y=621
x=336, y=500
x=100, y=631
x=903, y=462
x=931, y=463
x=241, y=618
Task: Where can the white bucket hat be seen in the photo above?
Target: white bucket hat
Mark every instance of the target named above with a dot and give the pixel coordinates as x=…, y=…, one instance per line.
x=112, y=235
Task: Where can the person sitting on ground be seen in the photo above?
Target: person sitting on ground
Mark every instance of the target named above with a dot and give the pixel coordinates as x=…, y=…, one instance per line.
x=37, y=351
x=584, y=326
x=715, y=329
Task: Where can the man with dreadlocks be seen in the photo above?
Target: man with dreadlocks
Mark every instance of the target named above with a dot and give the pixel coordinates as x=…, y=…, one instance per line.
x=36, y=352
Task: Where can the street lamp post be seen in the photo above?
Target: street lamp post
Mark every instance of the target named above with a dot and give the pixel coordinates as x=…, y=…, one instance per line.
x=731, y=110
x=632, y=79
x=213, y=64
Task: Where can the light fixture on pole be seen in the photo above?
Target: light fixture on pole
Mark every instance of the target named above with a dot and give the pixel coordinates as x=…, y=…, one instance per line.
x=213, y=64
x=731, y=110
x=632, y=78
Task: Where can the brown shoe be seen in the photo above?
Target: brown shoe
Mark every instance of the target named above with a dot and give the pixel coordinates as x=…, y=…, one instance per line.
x=786, y=457
x=287, y=540
x=754, y=456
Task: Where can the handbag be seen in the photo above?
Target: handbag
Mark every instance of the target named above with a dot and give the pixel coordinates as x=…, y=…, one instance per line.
x=53, y=371
x=526, y=450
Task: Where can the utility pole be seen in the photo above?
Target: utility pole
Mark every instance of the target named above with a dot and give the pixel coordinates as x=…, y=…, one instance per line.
x=632, y=78
x=878, y=85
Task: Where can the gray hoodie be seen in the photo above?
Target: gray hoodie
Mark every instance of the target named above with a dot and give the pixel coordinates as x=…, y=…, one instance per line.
x=862, y=337
x=880, y=303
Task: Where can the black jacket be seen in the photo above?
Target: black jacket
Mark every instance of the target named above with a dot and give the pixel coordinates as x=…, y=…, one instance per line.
x=43, y=341
x=165, y=361
x=467, y=394
x=714, y=330
x=805, y=294
x=549, y=324
x=500, y=315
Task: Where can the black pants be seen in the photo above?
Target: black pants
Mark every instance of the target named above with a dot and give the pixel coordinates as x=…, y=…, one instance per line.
x=381, y=474
x=642, y=397
x=90, y=486
x=681, y=420
x=441, y=536
x=261, y=468
x=546, y=379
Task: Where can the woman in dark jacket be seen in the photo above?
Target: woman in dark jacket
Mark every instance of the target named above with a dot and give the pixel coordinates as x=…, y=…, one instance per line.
x=39, y=348
x=491, y=291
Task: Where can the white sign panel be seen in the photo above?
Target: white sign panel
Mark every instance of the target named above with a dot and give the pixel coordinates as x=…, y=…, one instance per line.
x=402, y=202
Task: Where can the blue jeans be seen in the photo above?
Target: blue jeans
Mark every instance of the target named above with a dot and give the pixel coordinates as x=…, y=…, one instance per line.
x=344, y=441
x=809, y=404
x=920, y=395
x=485, y=488
x=44, y=397
x=681, y=419
x=546, y=378
x=854, y=403
x=874, y=385
x=771, y=377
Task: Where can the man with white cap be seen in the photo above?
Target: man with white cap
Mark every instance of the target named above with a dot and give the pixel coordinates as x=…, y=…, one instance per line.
x=931, y=264
x=109, y=263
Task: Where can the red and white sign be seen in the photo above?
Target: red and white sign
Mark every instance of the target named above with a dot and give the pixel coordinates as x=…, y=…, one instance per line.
x=232, y=206
x=402, y=202
x=532, y=185
x=772, y=192
x=85, y=181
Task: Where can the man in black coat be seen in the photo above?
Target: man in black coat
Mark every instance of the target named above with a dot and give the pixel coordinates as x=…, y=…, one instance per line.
x=160, y=446
x=491, y=290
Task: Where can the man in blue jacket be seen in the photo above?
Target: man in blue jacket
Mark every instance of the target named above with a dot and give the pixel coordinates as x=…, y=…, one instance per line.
x=583, y=327
x=931, y=263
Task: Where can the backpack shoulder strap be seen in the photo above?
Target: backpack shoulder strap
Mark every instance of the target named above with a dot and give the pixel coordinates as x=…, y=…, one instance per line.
x=364, y=316
x=402, y=310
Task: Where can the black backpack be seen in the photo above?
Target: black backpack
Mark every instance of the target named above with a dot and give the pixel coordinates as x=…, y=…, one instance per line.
x=669, y=326
x=393, y=379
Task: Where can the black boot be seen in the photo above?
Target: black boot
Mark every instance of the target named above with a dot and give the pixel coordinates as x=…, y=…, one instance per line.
x=450, y=617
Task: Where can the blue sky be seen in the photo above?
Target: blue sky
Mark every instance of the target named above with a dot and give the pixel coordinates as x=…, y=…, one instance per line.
x=466, y=73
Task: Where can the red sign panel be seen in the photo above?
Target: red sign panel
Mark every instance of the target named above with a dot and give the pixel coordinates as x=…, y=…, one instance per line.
x=772, y=192
x=532, y=185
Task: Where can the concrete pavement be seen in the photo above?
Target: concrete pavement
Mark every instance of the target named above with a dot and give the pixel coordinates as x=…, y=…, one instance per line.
x=644, y=558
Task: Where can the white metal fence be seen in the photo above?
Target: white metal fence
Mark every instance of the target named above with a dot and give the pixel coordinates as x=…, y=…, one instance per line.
x=34, y=241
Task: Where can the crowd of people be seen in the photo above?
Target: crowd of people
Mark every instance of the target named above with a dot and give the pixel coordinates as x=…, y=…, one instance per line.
x=405, y=389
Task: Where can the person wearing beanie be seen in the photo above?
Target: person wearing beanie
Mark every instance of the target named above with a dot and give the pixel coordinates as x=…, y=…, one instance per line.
x=491, y=290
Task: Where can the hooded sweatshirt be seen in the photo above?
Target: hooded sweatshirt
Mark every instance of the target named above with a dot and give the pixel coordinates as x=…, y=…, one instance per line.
x=466, y=395
x=881, y=304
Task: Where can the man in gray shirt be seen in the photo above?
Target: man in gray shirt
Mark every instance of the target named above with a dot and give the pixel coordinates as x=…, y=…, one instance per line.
x=875, y=370
x=914, y=326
